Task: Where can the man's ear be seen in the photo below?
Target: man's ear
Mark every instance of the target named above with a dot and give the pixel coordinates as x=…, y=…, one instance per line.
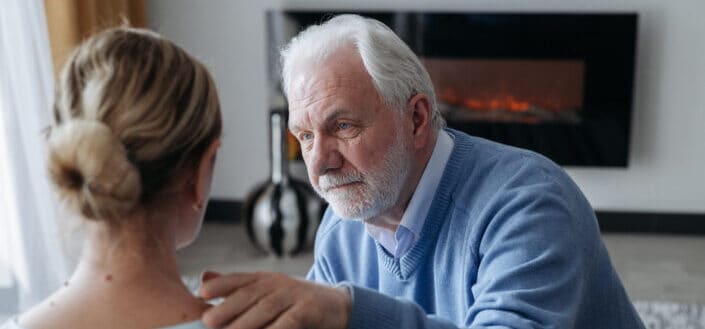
x=204, y=173
x=420, y=108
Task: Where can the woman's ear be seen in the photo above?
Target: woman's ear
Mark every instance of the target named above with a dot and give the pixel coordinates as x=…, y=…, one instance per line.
x=204, y=174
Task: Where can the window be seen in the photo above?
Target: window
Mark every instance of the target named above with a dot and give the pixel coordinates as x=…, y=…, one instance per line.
x=4, y=245
x=8, y=296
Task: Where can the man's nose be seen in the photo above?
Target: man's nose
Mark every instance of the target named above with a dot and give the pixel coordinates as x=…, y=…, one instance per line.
x=325, y=155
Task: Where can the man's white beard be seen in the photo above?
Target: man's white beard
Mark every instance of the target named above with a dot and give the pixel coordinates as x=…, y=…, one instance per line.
x=374, y=192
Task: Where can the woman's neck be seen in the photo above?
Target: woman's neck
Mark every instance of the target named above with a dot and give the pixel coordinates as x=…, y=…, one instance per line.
x=132, y=271
x=135, y=252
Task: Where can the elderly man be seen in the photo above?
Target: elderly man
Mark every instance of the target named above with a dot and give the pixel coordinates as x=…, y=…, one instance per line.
x=427, y=227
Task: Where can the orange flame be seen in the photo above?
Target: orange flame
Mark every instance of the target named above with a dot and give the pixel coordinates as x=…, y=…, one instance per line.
x=506, y=102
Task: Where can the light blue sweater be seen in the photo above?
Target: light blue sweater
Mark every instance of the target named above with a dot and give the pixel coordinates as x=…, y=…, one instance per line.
x=509, y=242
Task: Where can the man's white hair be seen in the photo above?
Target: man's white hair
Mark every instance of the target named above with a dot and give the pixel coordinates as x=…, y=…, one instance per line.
x=396, y=71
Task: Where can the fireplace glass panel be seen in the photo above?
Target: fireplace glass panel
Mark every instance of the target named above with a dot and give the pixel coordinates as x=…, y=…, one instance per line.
x=559, y=84
x=526, y=91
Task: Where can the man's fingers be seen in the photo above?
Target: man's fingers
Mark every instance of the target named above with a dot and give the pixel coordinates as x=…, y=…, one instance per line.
x=291, y=318
x=207, y=275
x=223, y=285
x=238, y=302
x=262, y=300
x=266, y=310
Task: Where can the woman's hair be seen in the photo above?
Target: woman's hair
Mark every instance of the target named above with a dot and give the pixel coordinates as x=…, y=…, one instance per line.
x=132, y=112
x=396, y=72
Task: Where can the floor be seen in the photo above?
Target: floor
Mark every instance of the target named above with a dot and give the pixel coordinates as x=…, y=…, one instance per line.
x=660, y=267
x=226, y=248
x=652, y=267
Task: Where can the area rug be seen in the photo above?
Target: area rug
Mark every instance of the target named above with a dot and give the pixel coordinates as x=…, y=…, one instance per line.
x=671, y=315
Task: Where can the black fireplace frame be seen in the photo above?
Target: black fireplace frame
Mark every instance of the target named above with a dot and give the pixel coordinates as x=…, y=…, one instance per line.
x=605, y=42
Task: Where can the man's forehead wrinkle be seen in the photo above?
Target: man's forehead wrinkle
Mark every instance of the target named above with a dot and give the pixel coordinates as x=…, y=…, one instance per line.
x=314, y=98
x=330, y=113
x=316, y=94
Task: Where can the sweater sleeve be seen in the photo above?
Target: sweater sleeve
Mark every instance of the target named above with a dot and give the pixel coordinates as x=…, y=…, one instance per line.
x=372, y=309
x=533, y=257
x=320, y=270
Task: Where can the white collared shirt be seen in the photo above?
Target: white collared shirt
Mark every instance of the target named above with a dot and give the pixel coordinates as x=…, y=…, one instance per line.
x=412, y=221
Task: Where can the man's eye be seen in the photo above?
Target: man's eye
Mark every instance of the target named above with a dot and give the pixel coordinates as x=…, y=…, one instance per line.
x=343, y=125
x=305, y=136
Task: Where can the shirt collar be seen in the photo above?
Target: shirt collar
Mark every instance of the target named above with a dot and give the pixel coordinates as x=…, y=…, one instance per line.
x=414, y=216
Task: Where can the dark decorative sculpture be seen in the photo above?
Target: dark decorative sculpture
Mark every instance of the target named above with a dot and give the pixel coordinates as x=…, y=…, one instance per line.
x=282, y=214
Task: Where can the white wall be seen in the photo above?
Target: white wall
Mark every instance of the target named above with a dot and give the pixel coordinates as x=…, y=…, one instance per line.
x=667, y=162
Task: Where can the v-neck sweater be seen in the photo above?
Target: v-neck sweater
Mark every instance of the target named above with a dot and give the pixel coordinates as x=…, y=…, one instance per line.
x=509, y=242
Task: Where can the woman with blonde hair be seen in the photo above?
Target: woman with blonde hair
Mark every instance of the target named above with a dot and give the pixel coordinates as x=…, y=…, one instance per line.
x=137, y=127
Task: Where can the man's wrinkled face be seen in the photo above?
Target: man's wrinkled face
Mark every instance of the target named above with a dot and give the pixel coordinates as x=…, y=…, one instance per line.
x=353, y=144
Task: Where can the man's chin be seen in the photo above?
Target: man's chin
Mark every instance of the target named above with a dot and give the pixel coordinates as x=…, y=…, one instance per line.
x=350, y=213
x=346, y=214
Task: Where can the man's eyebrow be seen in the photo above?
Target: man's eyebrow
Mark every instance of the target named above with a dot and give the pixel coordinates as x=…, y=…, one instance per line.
x=336, y=113
x=329, y=117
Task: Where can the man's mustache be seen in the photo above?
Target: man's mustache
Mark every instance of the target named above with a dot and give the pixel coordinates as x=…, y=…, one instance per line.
x=329, y=181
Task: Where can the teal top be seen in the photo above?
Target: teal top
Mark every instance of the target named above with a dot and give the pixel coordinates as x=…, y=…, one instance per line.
x=188, y=325
x=10, y=324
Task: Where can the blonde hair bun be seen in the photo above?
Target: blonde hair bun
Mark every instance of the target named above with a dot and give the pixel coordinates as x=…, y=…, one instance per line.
x=133, y=116
x=91, y=170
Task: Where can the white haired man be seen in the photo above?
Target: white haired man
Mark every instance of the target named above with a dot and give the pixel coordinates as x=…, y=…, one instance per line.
x=427, y=227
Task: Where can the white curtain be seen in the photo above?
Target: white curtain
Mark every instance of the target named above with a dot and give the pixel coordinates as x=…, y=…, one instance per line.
x=28, y=227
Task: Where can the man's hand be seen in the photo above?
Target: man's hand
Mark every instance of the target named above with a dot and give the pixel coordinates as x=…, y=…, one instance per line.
x=273, y=300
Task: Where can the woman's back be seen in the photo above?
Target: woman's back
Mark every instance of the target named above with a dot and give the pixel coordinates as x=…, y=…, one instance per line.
x=131, y=153
x=122, y=302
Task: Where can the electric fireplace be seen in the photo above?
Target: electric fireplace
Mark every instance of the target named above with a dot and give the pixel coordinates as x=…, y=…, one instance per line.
x=560, y=84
